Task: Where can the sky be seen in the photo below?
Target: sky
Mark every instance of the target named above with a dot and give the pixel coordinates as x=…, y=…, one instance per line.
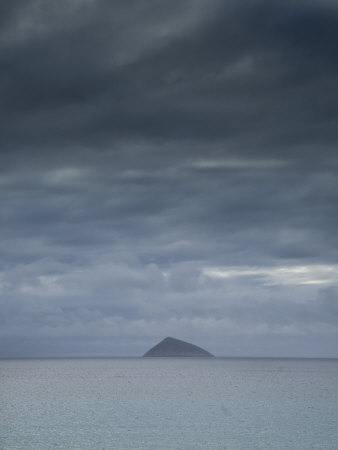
x=168, y=168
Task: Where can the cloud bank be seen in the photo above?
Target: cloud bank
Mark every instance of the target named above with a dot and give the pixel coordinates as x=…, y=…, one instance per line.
x=168, y=168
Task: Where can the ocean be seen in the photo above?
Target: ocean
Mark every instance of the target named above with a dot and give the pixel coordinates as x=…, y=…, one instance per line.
x=169, y=403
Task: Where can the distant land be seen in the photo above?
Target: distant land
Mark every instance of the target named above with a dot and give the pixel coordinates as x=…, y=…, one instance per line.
x=171, y=347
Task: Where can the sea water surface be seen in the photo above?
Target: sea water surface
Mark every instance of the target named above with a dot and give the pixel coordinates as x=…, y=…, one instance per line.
x=169, y=403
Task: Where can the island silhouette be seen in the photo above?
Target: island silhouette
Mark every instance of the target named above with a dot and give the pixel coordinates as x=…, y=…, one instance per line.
x=171, y=347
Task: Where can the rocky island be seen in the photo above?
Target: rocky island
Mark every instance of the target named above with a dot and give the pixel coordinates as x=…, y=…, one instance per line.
x=175, y=347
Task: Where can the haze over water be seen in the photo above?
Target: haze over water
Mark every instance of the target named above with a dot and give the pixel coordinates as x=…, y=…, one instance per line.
x=173, y=403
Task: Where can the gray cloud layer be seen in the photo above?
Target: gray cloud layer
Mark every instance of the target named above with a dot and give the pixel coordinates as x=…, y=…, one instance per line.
x=168, y=168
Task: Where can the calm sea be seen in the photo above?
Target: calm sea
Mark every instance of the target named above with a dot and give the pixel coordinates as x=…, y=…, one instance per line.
x=176, y=403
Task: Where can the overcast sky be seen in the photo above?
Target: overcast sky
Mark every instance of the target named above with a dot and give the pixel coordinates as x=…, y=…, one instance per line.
x=169, y=168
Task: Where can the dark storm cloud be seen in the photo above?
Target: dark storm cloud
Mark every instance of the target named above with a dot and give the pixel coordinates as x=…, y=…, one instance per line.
x=168, y=168
x=105, y=70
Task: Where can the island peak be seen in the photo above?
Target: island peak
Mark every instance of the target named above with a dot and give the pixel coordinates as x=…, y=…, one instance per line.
x=171, y=347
